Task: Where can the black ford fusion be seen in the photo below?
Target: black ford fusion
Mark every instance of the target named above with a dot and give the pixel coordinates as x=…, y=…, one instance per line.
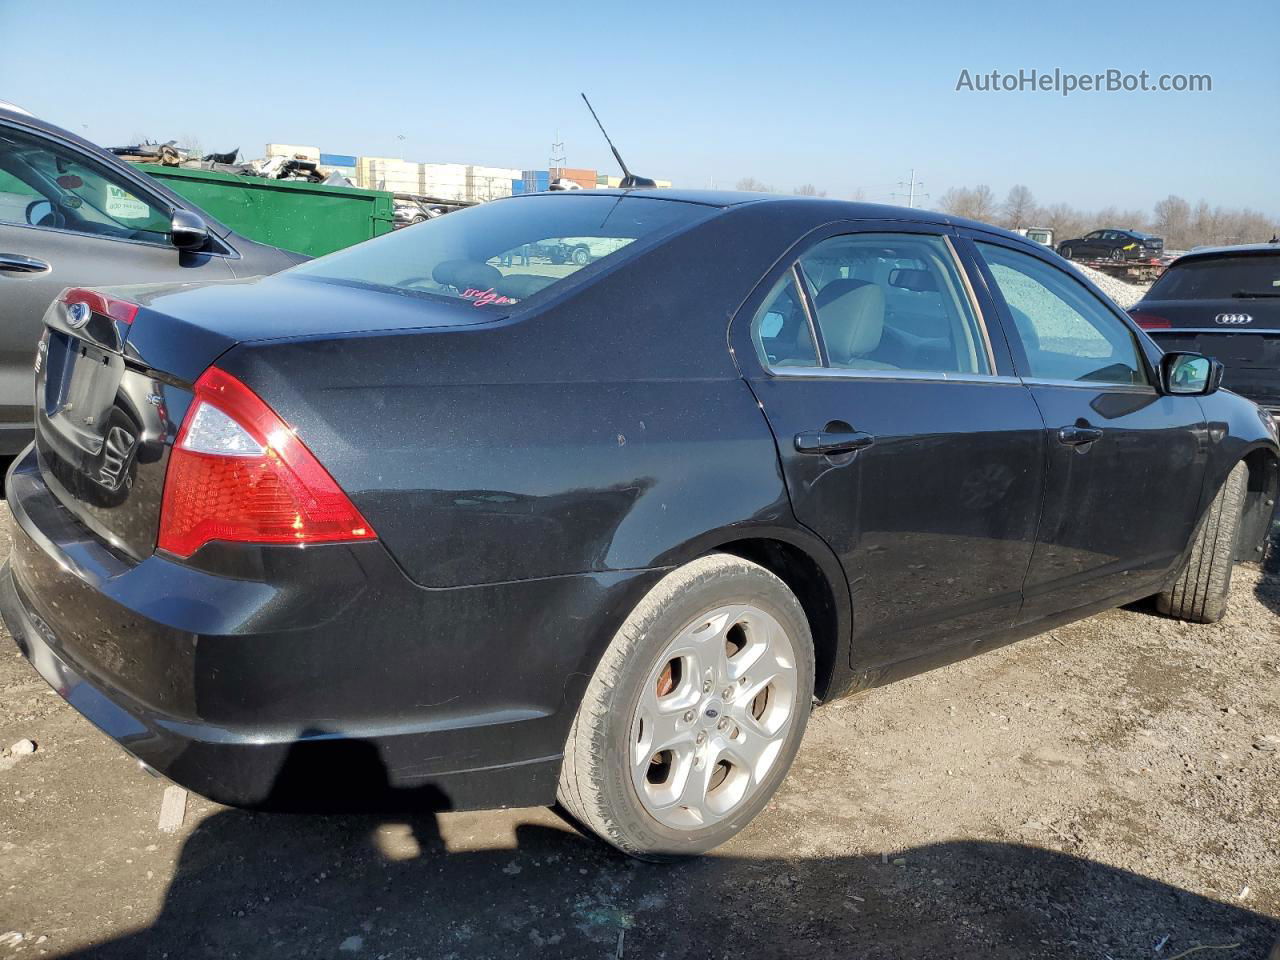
x=428, y=518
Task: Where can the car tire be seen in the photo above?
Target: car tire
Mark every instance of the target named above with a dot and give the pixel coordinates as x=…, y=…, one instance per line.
x=1068, y=253
x=1201, y=592
x=581, y=256
x=421, y=218
x=616, y=781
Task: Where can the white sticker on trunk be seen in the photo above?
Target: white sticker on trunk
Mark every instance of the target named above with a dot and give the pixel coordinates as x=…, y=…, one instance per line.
x=125, y=205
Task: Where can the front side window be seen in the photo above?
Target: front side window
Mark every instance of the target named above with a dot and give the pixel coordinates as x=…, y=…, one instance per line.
x=44, y=185
x=1067, y=333
x=498, y=254
x=886, y=301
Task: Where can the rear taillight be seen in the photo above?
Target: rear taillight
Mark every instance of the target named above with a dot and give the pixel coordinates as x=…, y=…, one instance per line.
x=238, y=473
x=112, y=307
x=1149, y=321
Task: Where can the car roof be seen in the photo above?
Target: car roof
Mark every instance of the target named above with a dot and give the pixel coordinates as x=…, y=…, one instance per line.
x=1208, y=253
x=821, y=208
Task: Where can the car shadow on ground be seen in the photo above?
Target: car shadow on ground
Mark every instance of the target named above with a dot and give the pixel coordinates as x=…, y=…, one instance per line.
x=418, y=885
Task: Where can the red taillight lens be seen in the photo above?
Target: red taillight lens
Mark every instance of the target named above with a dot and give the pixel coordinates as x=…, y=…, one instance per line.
x=112, y=307
x=1149, y=321
x=237, y=472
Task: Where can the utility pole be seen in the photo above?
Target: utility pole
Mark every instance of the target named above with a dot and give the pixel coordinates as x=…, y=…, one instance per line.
x=911, y=183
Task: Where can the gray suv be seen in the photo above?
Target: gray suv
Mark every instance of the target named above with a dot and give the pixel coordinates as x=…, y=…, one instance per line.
x=72, y=215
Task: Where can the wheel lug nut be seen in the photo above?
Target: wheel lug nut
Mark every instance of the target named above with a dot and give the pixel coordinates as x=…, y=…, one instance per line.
x=697, y=761
x=723, y=724
x=744, y=681
x=728, y=693
x=700, y=739
x=688, y=716
x=706, y=687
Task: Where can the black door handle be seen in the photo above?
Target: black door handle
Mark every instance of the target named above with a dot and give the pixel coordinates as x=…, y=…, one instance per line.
x=828, y=444
x=16, y=263
x=1074, y=436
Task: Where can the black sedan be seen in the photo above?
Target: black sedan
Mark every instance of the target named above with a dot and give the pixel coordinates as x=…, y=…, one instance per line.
x=1225, y=302
x=419, y=520
x=1113, y=245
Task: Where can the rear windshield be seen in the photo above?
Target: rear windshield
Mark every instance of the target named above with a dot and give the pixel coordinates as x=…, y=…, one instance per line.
x=497, y=254
x=1220, y=278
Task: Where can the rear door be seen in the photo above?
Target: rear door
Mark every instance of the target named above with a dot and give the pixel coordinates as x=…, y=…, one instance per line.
x=905, y=440
x=66, y=219
x=1124, y=463
x=1227, y=307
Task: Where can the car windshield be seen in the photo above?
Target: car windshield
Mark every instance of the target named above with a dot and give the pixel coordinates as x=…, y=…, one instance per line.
x=497, y=254
x=1220, y=278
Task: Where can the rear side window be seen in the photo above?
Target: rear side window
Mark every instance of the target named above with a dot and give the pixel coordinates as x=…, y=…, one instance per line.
x=781, y=327
x=1220, y=278
x=893, y=302
x=1066, y=332
x=498, y=254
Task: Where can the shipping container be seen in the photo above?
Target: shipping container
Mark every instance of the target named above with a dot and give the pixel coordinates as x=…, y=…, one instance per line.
x=293, y=150
x=583, y=178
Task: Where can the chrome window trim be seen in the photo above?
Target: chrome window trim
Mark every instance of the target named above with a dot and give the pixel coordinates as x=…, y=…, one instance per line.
x=1094, y=385
x=935, y=376
x=973, y=302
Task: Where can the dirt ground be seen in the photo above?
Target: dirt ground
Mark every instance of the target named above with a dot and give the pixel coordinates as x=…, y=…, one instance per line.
x=1110, y=790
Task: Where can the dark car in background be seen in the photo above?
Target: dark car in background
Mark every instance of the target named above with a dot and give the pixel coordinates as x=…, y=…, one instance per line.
x=72, y=214
x=1113, y=245
x=1224, y=302
x=420, y=517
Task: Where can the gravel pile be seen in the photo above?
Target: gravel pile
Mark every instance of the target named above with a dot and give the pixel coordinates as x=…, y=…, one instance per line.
x=1124, y=294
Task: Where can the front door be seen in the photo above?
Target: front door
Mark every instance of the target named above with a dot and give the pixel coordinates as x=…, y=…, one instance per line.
x=905, y=441
x=1124, y=462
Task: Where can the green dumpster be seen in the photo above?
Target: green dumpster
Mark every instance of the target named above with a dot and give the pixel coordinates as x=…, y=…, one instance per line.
x=307, y=218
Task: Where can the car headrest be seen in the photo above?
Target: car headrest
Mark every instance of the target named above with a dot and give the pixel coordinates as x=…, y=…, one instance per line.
x=521, y=286
x=851, y=314
x=466, y=274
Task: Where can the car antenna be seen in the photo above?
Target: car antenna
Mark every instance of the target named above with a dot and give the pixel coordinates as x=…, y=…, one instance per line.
x=629, y=180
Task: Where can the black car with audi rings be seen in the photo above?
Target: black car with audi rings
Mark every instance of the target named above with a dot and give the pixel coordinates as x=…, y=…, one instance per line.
x=1223, y=302
x=430, y=519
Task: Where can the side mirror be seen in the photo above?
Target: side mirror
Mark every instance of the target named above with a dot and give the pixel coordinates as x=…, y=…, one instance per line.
x=1189, y=374
x=188, y=231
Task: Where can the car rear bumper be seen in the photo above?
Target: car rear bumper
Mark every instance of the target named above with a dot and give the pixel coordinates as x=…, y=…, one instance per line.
x=330, y=680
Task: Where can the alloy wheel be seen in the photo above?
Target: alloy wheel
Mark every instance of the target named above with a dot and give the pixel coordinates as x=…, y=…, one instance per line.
x=713, y=716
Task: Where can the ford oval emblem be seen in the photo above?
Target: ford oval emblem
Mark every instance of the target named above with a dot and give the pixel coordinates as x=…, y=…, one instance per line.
x=78, y=315
x=1233, y=319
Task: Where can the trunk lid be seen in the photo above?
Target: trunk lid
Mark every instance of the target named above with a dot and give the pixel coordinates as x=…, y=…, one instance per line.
x=115, y=366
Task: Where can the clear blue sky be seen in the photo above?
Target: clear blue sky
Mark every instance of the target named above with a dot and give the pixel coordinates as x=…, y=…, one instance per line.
x=845, y=95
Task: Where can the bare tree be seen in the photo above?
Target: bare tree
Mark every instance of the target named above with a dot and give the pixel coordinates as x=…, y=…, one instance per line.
x=191, y=143
x=752, y=185
x=1019, y=207
x=808, y=190
x=975, y=203
x=1173, y=221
